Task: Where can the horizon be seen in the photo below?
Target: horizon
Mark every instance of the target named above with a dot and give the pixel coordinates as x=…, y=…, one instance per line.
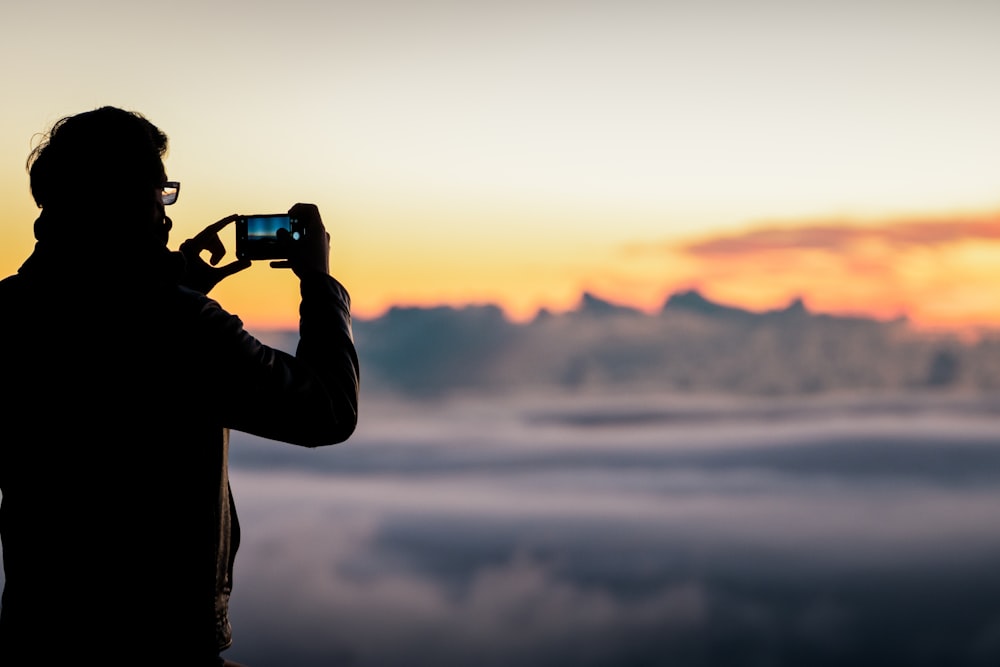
x=935, y=270
x=588, y=299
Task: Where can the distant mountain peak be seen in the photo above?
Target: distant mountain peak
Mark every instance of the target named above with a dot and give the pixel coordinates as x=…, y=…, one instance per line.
x=594, y=305
x=796, y=307
x=693, y=301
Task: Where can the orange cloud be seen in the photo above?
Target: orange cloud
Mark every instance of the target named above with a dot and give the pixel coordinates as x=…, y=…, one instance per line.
x=841, y=237
x=939, y=271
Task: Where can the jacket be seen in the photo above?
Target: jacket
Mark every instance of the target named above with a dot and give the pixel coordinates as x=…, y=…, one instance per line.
x=117, y=521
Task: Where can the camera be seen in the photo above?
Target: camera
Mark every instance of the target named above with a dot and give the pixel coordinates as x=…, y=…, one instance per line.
x=261, y=236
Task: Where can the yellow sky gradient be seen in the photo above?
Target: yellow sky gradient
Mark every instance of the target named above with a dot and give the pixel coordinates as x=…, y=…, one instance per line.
x=520, y=153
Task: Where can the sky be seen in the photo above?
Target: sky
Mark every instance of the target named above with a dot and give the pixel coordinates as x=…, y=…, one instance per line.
x=520, y=153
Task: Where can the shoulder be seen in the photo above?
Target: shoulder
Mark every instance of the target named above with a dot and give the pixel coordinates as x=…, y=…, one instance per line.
x=11, y=288
x=11, y=282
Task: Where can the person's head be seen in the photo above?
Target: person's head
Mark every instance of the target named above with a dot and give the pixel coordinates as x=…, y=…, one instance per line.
x=105, y=164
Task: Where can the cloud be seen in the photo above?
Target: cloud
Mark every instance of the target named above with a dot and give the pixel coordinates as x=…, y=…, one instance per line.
x=843, y=237
x=748, y=533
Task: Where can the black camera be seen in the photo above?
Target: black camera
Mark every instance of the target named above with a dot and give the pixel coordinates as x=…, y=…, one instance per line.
x=267, y=236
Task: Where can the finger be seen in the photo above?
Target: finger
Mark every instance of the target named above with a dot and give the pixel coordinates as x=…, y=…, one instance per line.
x=208, y=237
x=303, y=210
x=282, y=264
x=308, y=214
x=234, y=267
x=219, y=224
x=216, y=249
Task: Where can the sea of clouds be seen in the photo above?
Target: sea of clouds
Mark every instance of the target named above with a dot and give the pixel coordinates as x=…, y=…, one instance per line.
x=587, y=529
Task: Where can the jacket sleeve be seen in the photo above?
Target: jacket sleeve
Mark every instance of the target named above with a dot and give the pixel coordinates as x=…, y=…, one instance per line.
x=309, y=399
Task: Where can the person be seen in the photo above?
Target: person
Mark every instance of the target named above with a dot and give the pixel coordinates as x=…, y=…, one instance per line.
x=121, y=382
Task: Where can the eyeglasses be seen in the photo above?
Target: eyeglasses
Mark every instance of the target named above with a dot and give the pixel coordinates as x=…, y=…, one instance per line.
x=169, y=192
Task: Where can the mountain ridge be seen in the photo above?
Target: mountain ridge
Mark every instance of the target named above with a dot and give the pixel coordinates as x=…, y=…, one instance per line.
x=692, y=344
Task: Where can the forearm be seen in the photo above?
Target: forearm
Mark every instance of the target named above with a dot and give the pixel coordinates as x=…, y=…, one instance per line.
x=326, y=347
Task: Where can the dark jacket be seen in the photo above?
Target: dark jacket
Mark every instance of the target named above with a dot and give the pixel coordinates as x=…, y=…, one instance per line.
x=117, y=521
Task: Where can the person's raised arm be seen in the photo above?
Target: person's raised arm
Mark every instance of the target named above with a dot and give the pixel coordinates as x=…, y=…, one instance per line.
x=325, y=350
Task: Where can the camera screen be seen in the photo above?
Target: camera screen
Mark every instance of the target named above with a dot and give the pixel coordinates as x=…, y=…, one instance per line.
x=260, y=227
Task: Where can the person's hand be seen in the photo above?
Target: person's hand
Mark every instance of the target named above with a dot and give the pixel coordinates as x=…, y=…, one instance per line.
x=203, y=276
x=311, y=253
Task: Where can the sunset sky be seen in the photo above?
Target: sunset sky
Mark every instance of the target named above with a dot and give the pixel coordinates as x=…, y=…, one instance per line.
x=523, y=152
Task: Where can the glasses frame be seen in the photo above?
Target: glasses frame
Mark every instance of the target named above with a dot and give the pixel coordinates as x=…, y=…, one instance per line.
x=169, y=192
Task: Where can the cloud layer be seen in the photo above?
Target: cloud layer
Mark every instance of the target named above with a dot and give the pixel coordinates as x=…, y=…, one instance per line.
x=752, y=533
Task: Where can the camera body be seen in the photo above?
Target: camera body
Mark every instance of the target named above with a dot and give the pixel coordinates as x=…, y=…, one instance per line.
x=264, y=236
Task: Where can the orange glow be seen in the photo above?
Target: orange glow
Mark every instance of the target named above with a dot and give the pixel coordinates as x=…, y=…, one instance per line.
x=938, y=271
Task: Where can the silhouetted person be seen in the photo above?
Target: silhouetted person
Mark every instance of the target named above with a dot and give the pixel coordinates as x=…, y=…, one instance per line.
x=120, y=383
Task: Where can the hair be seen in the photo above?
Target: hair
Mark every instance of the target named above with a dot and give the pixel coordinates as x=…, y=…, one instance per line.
x=103, y=157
